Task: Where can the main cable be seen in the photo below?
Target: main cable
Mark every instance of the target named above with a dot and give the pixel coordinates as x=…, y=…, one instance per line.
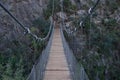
x=26, y=28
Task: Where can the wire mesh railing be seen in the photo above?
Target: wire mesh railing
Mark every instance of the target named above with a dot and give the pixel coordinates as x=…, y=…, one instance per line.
x=37, y=72
x=76, y=69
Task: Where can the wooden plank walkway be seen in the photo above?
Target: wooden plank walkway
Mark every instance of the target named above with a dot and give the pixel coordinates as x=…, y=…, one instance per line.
x=57, y=67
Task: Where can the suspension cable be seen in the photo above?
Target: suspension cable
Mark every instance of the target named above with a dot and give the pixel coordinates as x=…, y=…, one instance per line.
x=1, y=5
x=28, y=31
x=53, y=8
x=90, y=11
x=62, y=11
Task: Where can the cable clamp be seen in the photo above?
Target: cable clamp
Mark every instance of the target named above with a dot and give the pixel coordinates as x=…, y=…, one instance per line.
x=81, y=23
x=75, y=29
x=28, y=30
x=90, y=11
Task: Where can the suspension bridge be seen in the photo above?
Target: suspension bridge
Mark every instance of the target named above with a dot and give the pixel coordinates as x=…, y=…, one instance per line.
x=57, y=61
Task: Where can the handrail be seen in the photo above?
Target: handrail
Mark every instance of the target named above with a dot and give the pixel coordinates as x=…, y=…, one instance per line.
x=77, y=70
x=28, y=31
x=46, y=37
x=51, y=25
x=1, y=5
x=38, y=70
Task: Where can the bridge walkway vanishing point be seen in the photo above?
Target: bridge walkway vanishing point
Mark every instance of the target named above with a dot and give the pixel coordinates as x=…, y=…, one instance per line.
x=57, y=67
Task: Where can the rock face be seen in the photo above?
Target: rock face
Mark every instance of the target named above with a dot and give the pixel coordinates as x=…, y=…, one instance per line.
x=24, y=10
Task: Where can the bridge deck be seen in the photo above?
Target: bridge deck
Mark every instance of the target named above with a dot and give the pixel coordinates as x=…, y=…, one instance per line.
x=57, y=67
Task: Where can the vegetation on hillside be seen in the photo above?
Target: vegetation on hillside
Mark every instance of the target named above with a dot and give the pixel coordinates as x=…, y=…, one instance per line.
x=19, y=54
x=101, y=54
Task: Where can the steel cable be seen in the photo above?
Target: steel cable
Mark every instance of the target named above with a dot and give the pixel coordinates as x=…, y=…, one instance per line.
x=90, y=12
x=27, y=30
x=70, y=34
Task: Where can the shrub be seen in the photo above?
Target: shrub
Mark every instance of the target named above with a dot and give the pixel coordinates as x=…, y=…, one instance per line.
x=41, y=26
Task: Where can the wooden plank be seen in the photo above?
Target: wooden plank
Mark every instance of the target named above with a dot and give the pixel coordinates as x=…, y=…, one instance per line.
x=57, y=75
x=57, y=67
